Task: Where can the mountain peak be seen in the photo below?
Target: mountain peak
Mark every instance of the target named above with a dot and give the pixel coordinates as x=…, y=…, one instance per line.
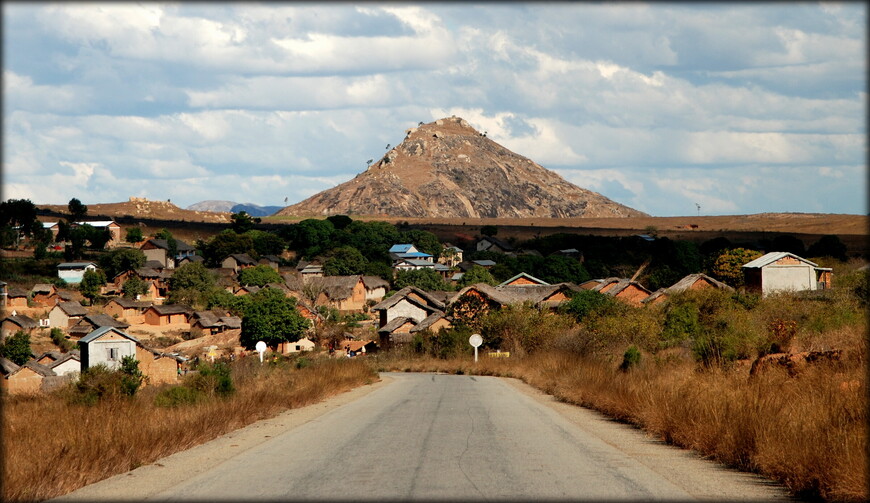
x=448, y=169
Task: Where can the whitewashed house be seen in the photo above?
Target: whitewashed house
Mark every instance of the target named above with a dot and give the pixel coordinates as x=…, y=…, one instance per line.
x=73, y=272
x=106, y=346
x=784, y=272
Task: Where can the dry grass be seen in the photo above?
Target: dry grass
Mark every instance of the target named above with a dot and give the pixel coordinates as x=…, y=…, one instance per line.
x=53, y=447
x=808, y=432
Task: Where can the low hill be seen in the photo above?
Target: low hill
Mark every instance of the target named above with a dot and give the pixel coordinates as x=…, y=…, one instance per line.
x=255, y=210
x=447, y=169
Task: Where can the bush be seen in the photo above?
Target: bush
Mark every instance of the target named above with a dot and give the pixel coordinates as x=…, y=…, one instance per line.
x=17, y=348
x=630, y=359
x=60, y=340
x=212, y=379
x=585, y=302
x=95, y=384
x=177, y=396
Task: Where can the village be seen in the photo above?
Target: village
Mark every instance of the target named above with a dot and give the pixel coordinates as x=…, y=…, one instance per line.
x=69, y=333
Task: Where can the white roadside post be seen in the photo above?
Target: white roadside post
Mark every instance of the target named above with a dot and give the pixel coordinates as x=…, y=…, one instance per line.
x=261, y=348
x=475, y=340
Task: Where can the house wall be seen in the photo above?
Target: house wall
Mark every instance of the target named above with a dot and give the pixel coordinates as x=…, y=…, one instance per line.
x=403, y=308
x=16, y=302
x=376, y=294
x=521, y=281
x=73, y=275
x=632, y=295
x=153, y=318
x=68, y=367
x=438, y=325
x=45, y=299
x=560, y=296
x=8, y=329
x=161, y=370
x=296, y=347
x=23, y=381
x=58, y=318
x=777, y=278
x=824, y=277
x=158, y=254
x=98, y=350
x=230, y=263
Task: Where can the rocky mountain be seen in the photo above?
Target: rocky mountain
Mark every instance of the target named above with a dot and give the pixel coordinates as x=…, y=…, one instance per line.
x=447, y=169
x=255, y=210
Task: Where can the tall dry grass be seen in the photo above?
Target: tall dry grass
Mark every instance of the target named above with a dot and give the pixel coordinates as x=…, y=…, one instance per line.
x=808, y=432
x=53, y=447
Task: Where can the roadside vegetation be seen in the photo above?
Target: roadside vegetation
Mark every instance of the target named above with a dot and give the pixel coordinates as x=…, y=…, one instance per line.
x=106, y=424
x=682, y=373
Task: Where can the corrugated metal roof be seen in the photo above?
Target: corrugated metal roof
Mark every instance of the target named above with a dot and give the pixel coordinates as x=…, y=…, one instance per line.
x=772, y=257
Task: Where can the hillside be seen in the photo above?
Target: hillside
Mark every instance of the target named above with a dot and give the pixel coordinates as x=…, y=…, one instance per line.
x=447, y=169
x=139, y=207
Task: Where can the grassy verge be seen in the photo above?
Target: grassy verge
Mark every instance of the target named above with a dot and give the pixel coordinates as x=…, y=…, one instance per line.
x=808, y=432
x=54, y=446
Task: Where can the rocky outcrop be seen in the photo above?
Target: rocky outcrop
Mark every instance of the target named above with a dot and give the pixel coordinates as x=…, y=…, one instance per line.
x=447, y=169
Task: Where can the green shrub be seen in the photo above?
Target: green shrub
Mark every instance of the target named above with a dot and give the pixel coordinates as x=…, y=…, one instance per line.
x=177, y=396
x=95, y=384
x=131, y=376
x=212, y=379
x=630, y=359
x=17, y=348
x=584, y=303
x=60, y=340
x=303, y=362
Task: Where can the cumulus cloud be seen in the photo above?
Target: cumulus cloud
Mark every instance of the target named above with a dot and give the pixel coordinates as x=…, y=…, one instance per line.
x=657, y=106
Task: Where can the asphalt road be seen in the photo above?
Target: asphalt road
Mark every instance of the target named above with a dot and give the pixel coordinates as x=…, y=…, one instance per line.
x=437, y=437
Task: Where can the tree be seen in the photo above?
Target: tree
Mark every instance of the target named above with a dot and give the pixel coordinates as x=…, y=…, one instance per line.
x=77, y=210
x=191, y=284
x=131, y=376
x=312, y=236
x=171, y=243
x=267, y=243
x=557, y=269
x=476, y=274
x=91, y=283
x=122, y=260
x=20, y=213
x=242, y=222
x=134, y=287
x=788, y=243
x=728, y=265
x=17, y=348
x=259, y=275
x=223, y=245
x=270, y=317
x=345, y=261
x=134, y=235
x=340, y=222
x=425, y=241
x=585, y=302
x=828, y=246
x=489, y=230
x=424, y=279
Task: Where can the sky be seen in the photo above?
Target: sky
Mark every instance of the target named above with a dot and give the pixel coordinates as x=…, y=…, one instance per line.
x=673, y=109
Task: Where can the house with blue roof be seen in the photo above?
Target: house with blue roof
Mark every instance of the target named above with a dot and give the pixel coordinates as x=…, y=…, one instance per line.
x=408, y=252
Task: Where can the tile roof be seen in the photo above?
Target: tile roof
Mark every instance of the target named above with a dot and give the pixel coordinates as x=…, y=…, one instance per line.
x=772, y=257
x=99, y=332
x=43, y=288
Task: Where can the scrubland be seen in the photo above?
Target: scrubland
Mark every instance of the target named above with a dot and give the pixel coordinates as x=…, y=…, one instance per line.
x=680, y=371
x=60, y=442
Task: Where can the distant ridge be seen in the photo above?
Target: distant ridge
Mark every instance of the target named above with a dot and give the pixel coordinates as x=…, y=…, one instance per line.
x=234, y=207
x=447, y=169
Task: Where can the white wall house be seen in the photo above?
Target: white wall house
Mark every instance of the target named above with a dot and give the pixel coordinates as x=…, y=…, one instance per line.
x=784, y=272
x=73, y=272
x=106, y=346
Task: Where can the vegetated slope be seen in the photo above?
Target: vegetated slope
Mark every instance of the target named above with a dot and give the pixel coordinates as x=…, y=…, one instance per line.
x=448, y=169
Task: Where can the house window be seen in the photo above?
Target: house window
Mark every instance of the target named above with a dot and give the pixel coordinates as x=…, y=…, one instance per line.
x=112, y=354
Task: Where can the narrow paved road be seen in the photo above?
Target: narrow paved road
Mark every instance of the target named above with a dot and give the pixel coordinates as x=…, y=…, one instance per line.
x=437, y=437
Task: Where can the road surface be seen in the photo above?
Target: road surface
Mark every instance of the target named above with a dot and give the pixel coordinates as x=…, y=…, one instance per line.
x=435, y=437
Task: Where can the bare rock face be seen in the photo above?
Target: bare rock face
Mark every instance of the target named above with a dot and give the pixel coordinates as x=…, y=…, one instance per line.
x=447, y=169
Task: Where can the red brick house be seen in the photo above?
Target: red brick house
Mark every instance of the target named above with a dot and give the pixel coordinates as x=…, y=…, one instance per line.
x=169, y=314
